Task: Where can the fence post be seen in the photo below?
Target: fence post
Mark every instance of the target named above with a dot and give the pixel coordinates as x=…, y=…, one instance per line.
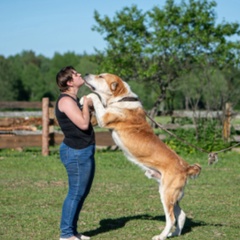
x=51, y=124
x=45, y=127
x=227, y=122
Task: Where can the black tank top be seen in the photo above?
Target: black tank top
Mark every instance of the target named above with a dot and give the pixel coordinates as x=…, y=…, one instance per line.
x=74, y=137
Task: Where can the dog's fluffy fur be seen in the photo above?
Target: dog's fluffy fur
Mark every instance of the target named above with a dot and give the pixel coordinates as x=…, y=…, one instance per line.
x=117, y=108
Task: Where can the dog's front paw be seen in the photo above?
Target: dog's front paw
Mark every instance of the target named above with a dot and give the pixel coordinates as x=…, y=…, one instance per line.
x=81, y=100
x=93, y=96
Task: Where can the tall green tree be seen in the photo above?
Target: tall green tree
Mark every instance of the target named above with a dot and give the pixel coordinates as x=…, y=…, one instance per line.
x=7, y=90
x=30, y=77
x=159, y=46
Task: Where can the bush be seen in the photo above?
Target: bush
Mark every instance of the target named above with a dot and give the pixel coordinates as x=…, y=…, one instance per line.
x=207, y=135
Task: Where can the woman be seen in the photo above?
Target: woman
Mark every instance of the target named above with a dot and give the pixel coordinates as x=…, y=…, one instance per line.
x=77, y=149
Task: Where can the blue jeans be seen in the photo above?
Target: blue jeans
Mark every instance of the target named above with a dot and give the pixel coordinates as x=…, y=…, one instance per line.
x=80, y=167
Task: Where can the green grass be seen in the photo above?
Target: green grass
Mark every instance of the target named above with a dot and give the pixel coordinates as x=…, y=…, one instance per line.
x=123, y=203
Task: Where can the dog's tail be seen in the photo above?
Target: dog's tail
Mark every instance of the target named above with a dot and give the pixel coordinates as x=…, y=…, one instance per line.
x=194, y=170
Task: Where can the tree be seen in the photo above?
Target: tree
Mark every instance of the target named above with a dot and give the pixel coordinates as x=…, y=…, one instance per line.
x=159, y=46
x=7, y=91
x=27, y=77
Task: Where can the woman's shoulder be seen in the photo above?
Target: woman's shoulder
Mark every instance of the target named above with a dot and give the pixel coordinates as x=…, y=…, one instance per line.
x=66, y=102
x=66, y=98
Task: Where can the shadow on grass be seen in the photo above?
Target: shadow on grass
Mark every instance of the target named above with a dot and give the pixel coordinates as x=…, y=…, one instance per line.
x=190, y=224
x=109, y=224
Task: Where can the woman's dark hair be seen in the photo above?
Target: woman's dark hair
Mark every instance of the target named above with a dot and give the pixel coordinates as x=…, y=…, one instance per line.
x=63, y=76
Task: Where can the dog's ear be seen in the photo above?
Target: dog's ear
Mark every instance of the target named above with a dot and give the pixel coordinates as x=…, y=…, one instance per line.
x=114, y=86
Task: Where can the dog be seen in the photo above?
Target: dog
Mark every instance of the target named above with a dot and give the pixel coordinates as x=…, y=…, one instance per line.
x=117, y=108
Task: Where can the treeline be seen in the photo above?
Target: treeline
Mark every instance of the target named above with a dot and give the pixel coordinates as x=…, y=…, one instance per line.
x=28, y=77
x=175, y=57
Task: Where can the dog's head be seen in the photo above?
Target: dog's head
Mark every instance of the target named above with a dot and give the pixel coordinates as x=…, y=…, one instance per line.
x=108, y=86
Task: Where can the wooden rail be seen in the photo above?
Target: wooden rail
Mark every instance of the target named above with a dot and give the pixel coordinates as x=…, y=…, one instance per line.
x=45, y=138
x=103, y=139
x=20, y=105
x=47, y=125
x=48, y=137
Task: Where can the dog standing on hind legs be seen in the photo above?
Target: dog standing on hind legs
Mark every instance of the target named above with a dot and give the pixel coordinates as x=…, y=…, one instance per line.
x=119, y=109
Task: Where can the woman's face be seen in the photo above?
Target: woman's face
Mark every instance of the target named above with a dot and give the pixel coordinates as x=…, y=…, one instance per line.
x=77, y=79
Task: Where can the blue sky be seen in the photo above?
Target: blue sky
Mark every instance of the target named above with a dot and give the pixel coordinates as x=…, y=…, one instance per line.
x=50, y=26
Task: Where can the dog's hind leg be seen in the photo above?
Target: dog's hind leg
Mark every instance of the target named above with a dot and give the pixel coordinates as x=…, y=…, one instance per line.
x=171, y=192
x=168, y=206
x=181, y=218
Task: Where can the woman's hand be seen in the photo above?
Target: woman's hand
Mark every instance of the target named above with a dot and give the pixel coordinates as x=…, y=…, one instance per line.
x=89, y=101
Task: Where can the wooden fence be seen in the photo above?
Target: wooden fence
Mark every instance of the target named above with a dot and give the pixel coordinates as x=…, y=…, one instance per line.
x=44, y=138
x=38, y=138
x=48, y=137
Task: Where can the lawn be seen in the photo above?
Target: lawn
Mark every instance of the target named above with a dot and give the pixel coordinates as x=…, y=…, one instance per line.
x=123, y=203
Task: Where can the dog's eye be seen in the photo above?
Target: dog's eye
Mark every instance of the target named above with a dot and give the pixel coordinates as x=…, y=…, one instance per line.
x=100, y=76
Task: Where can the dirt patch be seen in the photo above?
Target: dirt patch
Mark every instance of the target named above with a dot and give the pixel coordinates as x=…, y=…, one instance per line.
x=16, y=122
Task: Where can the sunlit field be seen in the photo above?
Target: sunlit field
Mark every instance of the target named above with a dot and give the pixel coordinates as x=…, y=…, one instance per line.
x=123, y=203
